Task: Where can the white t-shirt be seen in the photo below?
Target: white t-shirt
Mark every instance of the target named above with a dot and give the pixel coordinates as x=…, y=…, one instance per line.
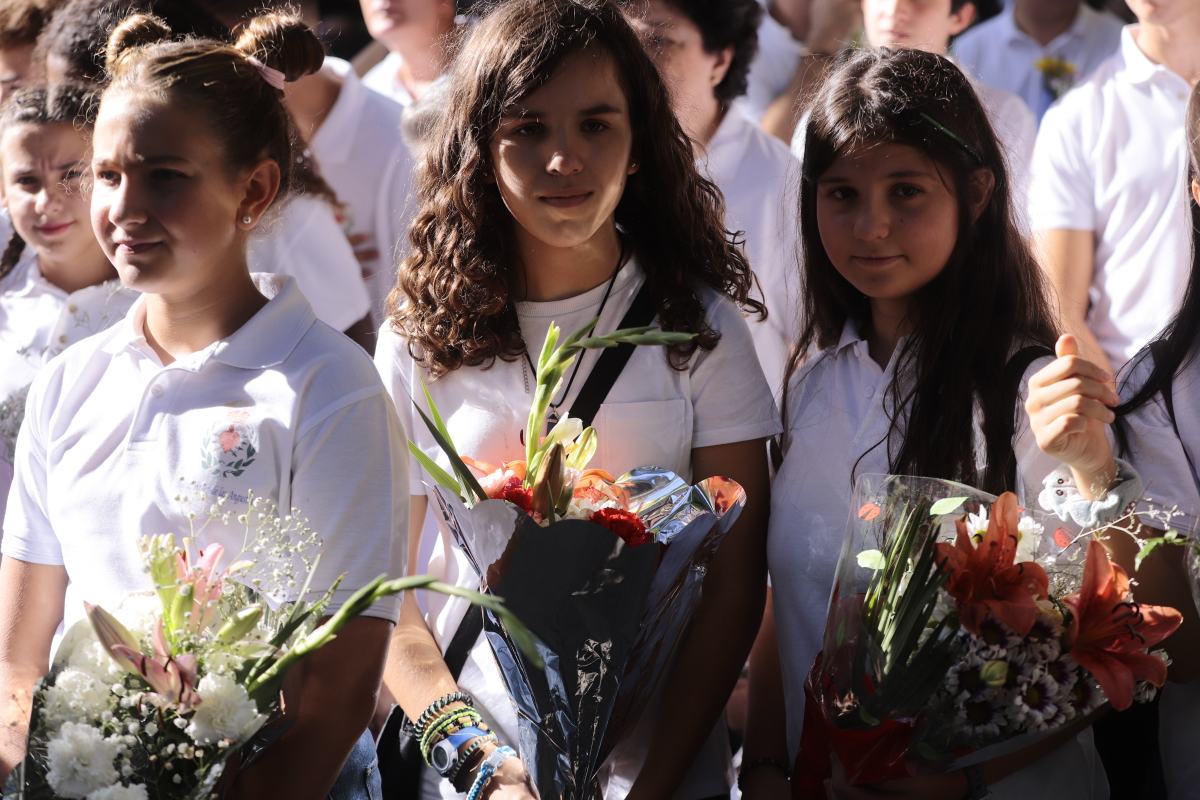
x=774, y=65
x=358, y=147
x=1111, y=159
x=383, y=78
x=304, y=240
x=838, y=409
x=653, y=415
x=1167, y=463
x=1002, y=55
x=38, y=321
x=1014, y=127
x=760, y=180
x=116, y=446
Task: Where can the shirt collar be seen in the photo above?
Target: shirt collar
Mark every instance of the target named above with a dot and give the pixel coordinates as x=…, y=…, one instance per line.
x=850, y=336
x=728, y=143
x=266, y=340
x=335, y=139
x=1138, y=68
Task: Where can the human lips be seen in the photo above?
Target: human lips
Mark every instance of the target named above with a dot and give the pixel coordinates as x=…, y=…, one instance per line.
x=876, y=261
x=50, y=230
x=127, y=246
x=567, y=198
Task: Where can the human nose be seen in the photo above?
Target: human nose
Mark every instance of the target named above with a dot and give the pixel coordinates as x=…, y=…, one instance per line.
x=873, y=221
x=125, y=205
x=48, y=200
x=564, y=160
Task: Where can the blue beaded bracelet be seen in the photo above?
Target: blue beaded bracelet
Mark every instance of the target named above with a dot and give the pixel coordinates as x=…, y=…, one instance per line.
x=484, y=776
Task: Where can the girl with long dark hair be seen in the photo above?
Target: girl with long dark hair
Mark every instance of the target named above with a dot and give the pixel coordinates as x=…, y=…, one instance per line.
x=924, y=313
x=557, y=185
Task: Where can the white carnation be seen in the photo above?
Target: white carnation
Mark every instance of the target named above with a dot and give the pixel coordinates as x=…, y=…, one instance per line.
x=118, y=792
x=140, y=613
x=81, y=761
x=76, y=695
x=225, y=711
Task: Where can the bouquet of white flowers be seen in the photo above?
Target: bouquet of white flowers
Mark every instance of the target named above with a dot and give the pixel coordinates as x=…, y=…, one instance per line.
x=151, y=700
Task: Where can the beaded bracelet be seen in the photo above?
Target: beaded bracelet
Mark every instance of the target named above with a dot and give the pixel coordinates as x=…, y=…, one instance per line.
x=461, y=770
x=431, y=713
x=445, y=725
x=484, y=776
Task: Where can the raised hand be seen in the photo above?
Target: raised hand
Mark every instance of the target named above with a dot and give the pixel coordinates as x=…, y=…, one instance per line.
x=1070, y=408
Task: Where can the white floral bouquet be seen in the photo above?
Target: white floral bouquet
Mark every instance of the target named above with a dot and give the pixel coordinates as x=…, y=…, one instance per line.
x=957, y=622
x=150, y=701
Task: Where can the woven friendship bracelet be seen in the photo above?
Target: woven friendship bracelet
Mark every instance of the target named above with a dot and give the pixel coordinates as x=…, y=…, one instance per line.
x=447, y=724
x=435, y=708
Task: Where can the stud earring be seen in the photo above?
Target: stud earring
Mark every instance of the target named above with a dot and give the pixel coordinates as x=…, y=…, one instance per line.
x=246, y=220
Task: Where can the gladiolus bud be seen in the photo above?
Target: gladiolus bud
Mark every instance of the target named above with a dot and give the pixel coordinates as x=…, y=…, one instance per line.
x=240, y=624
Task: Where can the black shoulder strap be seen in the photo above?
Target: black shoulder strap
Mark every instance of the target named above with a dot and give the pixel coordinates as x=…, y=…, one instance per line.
x=591, y=395
x=608, y=367
x=1014, y=370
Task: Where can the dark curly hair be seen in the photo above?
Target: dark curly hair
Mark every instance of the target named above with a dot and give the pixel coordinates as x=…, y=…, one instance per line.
x=722, y=24
x=986, y=303
x=452, y=301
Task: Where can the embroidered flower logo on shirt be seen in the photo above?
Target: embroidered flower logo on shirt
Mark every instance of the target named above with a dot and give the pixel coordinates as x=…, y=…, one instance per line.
x=1058, y=75
x=231, y=447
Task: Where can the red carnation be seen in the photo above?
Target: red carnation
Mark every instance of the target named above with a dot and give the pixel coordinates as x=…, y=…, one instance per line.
x=515, y=493
x=625, y=524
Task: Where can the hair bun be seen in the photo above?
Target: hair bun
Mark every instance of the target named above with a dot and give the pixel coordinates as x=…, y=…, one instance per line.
x=138, y=30
x=282, y=41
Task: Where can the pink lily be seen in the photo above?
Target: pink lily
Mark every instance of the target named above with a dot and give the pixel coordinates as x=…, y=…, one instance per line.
x=206, y=580
x=171, y=677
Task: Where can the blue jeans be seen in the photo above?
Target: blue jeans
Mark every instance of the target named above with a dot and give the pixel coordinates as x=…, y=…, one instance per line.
x=359, y=778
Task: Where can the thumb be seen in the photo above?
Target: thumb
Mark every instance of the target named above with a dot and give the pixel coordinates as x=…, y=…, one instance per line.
x=1067, y=345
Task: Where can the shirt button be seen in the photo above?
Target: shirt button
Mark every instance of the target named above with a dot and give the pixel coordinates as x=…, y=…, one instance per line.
x=156, y=390
x=72, y=308
x=62, y=339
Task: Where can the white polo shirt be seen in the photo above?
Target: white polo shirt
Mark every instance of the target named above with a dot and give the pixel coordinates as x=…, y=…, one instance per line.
x=382, y=78
x=1112, y=159
x=1167, y=463
x=357, y=148
x=761, y=180
x=303, y=239
x=653, y=414
x=38, y=321
x=1002, y=55
x=1014, y=126
x=838, y=409
x=774, y=65
x=286, y=408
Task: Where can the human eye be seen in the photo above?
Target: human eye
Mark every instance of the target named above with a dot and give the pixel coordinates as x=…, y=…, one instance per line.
x=907, y=190
x=163, y=174
x=28, y=182
x=594, y=126
x=841, y=193
x=107, y=176
x=528, y=129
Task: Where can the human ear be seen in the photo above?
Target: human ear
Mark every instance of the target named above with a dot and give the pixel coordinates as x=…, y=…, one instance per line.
x=723, y=60
x=1195, y=192
x=980, y=186
x=961, y=20
x=259, y=188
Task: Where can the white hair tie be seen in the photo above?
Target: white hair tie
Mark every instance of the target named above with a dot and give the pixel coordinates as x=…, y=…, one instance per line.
x=272, y=76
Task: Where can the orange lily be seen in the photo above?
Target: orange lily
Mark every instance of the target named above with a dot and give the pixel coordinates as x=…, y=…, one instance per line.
x=985, y=581
x=1111, y=634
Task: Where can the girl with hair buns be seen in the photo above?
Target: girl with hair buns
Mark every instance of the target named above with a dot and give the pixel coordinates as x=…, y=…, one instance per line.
x=133, y=431
x=558, y=186
x=56, y=285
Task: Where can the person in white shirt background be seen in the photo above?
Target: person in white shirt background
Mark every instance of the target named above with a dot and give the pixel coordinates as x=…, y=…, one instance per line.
x=354, y=135
x=192, y=146
x=303, y=237
x=781, y=35
x=1157, y=428
x=419, y=36
x=56, y=284
x=907, y=219
x=703, y=51
x=1108, y=201
x=578, y=187
x=929, y=25
x=1010, y=51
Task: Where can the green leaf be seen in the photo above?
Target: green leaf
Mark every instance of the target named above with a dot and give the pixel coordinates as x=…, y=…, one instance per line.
x=1150, y=545
x=872, y=560
x=435, y=414
x=439, y=475
x=946, y=505
x=464, y=473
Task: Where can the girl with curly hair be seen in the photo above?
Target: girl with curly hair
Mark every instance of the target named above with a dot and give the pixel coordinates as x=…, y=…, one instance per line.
x=557, y=186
